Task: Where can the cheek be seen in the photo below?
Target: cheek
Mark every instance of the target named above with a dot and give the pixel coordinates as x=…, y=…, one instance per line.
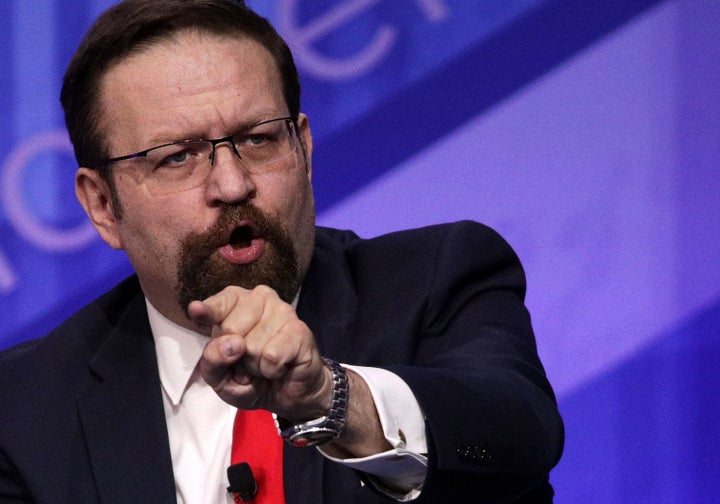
x=146, y=236
x=151, y=228
x=300, y=207
x=296, y=188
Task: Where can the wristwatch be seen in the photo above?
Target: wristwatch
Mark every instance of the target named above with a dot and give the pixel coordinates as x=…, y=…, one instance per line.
x=326, y=428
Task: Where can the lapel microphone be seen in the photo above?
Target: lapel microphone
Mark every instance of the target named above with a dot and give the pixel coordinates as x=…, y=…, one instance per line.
x=242, y=481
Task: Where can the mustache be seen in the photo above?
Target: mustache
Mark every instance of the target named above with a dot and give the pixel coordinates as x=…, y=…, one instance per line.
x=255, y=223
x=202, y=273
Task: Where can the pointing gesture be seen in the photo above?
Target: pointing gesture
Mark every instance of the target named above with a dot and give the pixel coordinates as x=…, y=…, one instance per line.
x=261, y=355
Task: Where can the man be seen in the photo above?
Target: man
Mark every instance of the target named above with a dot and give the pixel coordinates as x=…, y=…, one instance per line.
x=196, y=161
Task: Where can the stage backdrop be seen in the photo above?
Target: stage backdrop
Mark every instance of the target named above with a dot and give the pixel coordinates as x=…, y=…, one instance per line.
x=586, y=132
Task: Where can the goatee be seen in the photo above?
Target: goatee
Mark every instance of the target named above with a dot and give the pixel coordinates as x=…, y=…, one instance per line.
x=202, y=273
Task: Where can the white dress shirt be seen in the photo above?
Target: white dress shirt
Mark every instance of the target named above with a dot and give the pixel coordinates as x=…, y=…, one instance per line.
x=200, y=424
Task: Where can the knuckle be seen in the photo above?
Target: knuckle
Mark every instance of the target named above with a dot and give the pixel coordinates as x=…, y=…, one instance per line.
x=296, y=327
x=264, y=291
x=272, y=354
x=233, y=288
x=229, y=325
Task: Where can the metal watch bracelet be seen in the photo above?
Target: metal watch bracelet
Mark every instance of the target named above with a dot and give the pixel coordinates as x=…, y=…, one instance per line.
x=326, y=428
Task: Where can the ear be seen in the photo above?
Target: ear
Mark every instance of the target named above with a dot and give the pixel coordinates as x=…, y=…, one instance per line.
x=306, y=138
x=93, y=194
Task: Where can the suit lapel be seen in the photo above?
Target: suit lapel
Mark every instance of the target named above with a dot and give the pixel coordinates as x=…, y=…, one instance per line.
x=123, y=419
x=327, y=305
x=122, y=416
x=328, y=302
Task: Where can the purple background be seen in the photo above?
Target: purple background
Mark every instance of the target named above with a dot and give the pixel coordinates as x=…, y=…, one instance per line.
x=587, y=133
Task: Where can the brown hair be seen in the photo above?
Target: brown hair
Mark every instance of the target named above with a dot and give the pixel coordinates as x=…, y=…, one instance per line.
x=133, y=25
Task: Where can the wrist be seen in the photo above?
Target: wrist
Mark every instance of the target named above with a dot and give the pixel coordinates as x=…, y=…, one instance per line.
x=330, y=425
x=325, y=396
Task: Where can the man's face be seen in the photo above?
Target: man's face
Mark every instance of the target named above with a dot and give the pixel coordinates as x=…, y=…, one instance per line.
x=234, y=227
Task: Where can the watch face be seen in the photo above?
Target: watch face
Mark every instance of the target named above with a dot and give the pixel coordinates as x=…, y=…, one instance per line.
x=312, y=439
x=312, y=436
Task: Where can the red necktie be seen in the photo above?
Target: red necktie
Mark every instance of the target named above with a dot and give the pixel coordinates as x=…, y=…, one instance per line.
x=256, y=441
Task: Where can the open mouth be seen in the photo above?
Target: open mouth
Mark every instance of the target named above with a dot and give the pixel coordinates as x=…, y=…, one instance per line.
x=243, y=244
x=241, y=237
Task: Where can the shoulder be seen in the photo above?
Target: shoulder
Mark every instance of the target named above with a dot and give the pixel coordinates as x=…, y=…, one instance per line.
x=465, y=239
x=462, y=230
x=76, y=338
x=432, y=261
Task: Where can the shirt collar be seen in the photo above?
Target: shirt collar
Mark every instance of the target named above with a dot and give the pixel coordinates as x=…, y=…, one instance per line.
x=178, y=351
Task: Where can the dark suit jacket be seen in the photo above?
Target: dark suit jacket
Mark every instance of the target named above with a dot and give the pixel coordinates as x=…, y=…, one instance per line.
x=81, y=415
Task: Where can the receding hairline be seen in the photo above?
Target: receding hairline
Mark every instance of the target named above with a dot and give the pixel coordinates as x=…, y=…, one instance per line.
x=131, y=26
x=169, y=39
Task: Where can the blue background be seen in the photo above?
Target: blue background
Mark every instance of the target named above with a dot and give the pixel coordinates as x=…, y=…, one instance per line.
x=586, y=132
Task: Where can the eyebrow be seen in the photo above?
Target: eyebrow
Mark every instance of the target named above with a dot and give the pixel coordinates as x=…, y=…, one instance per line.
x=239, y=126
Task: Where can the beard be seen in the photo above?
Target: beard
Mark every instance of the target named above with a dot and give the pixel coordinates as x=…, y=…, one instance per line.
x=202, y=273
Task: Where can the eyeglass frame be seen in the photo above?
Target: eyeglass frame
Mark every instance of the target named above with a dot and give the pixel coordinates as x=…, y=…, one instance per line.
x=213, y=142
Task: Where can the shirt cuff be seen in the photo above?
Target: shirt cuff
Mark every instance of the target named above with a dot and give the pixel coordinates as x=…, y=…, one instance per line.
x=401, y=471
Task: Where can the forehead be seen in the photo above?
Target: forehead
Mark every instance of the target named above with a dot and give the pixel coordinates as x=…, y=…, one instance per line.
x=191, y=83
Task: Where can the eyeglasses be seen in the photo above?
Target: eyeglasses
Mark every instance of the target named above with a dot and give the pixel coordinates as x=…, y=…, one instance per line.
x=183, y=165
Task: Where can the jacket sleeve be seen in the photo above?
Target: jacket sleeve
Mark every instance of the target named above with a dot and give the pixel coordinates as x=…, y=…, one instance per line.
x=493, y=426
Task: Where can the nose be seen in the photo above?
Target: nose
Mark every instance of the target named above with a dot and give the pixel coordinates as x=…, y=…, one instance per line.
x=228, y=180
x=223, y=141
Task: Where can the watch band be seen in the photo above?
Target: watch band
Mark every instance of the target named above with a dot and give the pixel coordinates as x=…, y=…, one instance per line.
x=326, y=428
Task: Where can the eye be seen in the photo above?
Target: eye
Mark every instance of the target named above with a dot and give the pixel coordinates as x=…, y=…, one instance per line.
x=255, y=139
x=263, y=135
x=178, y=155
x=177, y=158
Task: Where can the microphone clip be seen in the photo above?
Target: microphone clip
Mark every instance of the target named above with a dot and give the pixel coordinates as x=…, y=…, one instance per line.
x=242, y=482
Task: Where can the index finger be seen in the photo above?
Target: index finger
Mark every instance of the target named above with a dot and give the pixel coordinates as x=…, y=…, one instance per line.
x=214, y=309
